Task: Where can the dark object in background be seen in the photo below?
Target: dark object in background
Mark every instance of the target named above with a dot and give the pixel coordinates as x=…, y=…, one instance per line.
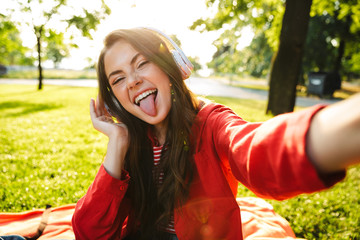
x=323, y=83
x=3, y=70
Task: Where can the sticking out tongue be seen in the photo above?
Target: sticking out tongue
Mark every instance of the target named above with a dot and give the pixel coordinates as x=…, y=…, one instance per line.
x=148, y=105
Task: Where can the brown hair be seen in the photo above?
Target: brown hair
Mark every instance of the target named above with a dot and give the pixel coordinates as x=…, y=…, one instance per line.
x=153, y=205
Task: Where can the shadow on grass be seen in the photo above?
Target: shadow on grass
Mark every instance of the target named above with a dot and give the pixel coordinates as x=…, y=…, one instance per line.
x=19, y=108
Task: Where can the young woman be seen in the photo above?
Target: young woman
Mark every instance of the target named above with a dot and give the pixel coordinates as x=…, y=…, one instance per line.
x=174, y=161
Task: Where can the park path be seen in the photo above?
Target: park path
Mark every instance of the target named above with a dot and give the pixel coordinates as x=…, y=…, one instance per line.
x=200, y=86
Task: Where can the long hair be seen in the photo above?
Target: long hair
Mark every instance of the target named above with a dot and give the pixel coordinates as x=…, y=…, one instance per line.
x=153, y=205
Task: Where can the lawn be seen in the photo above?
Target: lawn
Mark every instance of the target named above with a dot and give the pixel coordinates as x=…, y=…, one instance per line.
x=49, y=154
x=50, y=74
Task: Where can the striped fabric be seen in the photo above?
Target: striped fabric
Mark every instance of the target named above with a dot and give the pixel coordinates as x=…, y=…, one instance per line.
x=159, y=177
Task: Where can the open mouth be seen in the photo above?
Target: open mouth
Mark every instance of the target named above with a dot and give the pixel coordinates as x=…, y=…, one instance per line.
x=144, y=95
x=146, y=102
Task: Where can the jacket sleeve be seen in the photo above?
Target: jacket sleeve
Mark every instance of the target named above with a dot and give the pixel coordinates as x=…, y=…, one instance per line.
x=270, y=158
x=102, y=212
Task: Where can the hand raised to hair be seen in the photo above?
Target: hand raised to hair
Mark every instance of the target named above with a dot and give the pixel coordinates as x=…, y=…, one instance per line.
x=103, y=122
x=117, y=134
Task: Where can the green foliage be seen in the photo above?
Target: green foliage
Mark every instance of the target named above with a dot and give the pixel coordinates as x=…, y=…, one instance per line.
x=225, y=59
x=272, y=33
x=86, y=23
x=261, y=16
x=195, y=62
x=253, y=60
x=333, y=23
x=319, y=53
x=246, y=12
x=351, y=61
x=257, y=57
x=56, y=48
x=11, y=50
x=67, y=16
x=264, y=17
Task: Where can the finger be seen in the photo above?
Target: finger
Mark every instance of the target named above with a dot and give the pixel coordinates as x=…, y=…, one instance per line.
x=99, y=109
x=93, y=114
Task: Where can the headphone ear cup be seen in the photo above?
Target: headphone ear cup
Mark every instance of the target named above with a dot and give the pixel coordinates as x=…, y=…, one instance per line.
x=185, y=69
x=181, y=60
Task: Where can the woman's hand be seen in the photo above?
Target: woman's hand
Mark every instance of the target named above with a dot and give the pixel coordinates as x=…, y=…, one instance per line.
x=334, y=136
x=102, y=120
x=117, y=134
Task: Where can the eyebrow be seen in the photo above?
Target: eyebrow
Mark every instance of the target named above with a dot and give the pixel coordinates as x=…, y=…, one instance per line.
x=131, y=63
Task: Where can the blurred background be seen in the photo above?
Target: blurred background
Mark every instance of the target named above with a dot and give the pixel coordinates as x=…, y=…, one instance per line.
x=229, y=39
x=73, y=33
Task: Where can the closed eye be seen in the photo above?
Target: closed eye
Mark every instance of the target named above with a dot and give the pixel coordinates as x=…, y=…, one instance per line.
x=117, y=80
x=143, y=63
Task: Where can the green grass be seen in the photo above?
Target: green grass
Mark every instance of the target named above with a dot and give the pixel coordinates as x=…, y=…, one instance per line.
x=49, y=154
x=51, y=74
x=48, y=150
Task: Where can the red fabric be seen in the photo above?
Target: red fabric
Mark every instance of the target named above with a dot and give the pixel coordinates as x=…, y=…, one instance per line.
x=26, y=223
x=269, y=158
x=259, y=222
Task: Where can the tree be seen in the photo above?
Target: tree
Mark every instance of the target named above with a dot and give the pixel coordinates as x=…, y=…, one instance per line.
x=345, y=35
x=320, y=51
x=253, y=60
x=286, y=65
x=264, y=16
x=44, y=17
x=224, y=59
x=271, y=17
x=195, y=63
x=257, y=56
x=11, y=49
x=56, y=50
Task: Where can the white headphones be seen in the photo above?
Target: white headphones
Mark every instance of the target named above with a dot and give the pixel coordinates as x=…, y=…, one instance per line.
x=181, y=60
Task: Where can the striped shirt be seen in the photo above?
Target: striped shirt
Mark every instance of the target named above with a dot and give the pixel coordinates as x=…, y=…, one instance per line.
x=159, y=178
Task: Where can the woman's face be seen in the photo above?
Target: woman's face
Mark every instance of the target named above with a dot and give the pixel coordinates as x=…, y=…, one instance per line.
x=141, y=87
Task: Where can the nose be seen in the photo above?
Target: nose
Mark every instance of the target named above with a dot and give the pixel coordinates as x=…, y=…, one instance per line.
x=133, y=81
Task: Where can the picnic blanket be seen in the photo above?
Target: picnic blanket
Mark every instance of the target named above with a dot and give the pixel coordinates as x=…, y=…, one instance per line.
x=259, y=221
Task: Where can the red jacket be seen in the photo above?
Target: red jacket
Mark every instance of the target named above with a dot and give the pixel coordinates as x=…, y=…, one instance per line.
x=268, y=158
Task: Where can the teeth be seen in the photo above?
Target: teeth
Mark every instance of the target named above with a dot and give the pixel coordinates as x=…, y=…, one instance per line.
x=144, y=95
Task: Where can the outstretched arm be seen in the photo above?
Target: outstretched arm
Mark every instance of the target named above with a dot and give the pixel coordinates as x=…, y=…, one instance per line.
x=333, y=141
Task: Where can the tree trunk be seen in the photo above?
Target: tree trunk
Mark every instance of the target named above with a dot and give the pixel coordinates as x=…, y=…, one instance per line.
x=286, y=65
x=38, y=32
x=340, y=55
x=341, y=49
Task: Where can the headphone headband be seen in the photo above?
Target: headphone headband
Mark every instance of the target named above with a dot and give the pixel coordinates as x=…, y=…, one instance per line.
x=181, y=60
